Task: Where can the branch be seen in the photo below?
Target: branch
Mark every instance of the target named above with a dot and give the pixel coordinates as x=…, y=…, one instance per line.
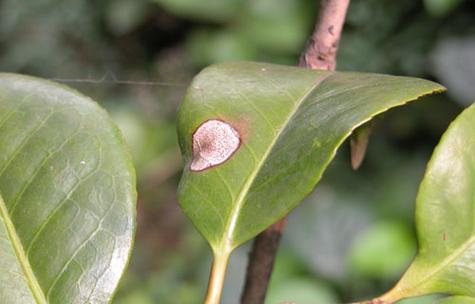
x=321, y=50
x=261, y=262
x=320, y=53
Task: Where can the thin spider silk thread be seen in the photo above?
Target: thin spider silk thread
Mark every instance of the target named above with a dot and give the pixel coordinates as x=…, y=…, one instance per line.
x=117, y=81
x=110, y=78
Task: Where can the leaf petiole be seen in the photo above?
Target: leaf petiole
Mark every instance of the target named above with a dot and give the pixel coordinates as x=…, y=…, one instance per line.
x=216, y=279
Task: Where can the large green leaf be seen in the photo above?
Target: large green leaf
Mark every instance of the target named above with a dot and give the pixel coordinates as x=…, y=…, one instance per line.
x=290, y=122
x=445, y=218
x=256, y=139
x=67, y=196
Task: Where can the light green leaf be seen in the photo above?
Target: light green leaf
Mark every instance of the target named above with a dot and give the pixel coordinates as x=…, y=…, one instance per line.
x=67, y=196
x=383, y=251
x=445, y=218
x=429, y=299
x=289, y=121
x=458, y=300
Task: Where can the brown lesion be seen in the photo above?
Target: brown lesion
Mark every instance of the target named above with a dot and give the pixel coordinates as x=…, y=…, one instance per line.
x=214, y=142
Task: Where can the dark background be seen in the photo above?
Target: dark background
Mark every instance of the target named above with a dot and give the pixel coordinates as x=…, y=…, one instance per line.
x=354, y=236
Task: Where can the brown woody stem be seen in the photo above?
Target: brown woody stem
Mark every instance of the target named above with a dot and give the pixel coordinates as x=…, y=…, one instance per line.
x=321, y=50
x=320, y=53
x=261, y=263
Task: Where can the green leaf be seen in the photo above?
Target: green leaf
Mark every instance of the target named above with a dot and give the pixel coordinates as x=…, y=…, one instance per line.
x=289, y=121
x=207, y=10
x=458, y=300
x=276, y=28
x=429, y=299
x=441, y=8
x=67, y=196
x=445, y=218
x=383, y=251
x=211, y=46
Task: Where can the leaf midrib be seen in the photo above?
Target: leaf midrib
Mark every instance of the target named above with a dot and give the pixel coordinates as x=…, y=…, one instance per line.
x=228, y=245
x=31, y=279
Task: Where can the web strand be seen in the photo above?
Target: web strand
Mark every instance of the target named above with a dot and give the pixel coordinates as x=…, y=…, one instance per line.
x=118, y=81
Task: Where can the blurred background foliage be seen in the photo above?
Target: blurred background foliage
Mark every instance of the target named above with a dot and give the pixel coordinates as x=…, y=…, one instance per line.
x=354, y=235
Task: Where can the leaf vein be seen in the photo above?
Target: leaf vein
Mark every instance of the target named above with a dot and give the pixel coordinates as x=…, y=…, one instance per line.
x=59, y=206
x=22, y=144
x=76, y=252
x=28, y=183
x=25, y=266
x=247, y=186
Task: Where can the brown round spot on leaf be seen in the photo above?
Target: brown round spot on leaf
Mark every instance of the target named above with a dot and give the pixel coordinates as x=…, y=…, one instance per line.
x=214, y=142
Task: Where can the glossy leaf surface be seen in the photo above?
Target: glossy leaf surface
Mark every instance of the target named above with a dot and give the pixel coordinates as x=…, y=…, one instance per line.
x=445, y=218
x=67, y=196
x=290, y=122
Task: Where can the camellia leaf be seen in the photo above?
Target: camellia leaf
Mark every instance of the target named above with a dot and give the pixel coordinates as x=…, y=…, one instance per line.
x=445, y=219
x=67, y=196
x=256, y=139
x=458, y=300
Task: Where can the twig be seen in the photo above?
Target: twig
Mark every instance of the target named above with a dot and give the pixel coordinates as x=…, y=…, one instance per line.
x=322, y=47
x=261, y=262
x=320, y=53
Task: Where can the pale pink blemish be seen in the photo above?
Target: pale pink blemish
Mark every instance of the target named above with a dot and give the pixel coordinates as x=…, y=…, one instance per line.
x=214, y=142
